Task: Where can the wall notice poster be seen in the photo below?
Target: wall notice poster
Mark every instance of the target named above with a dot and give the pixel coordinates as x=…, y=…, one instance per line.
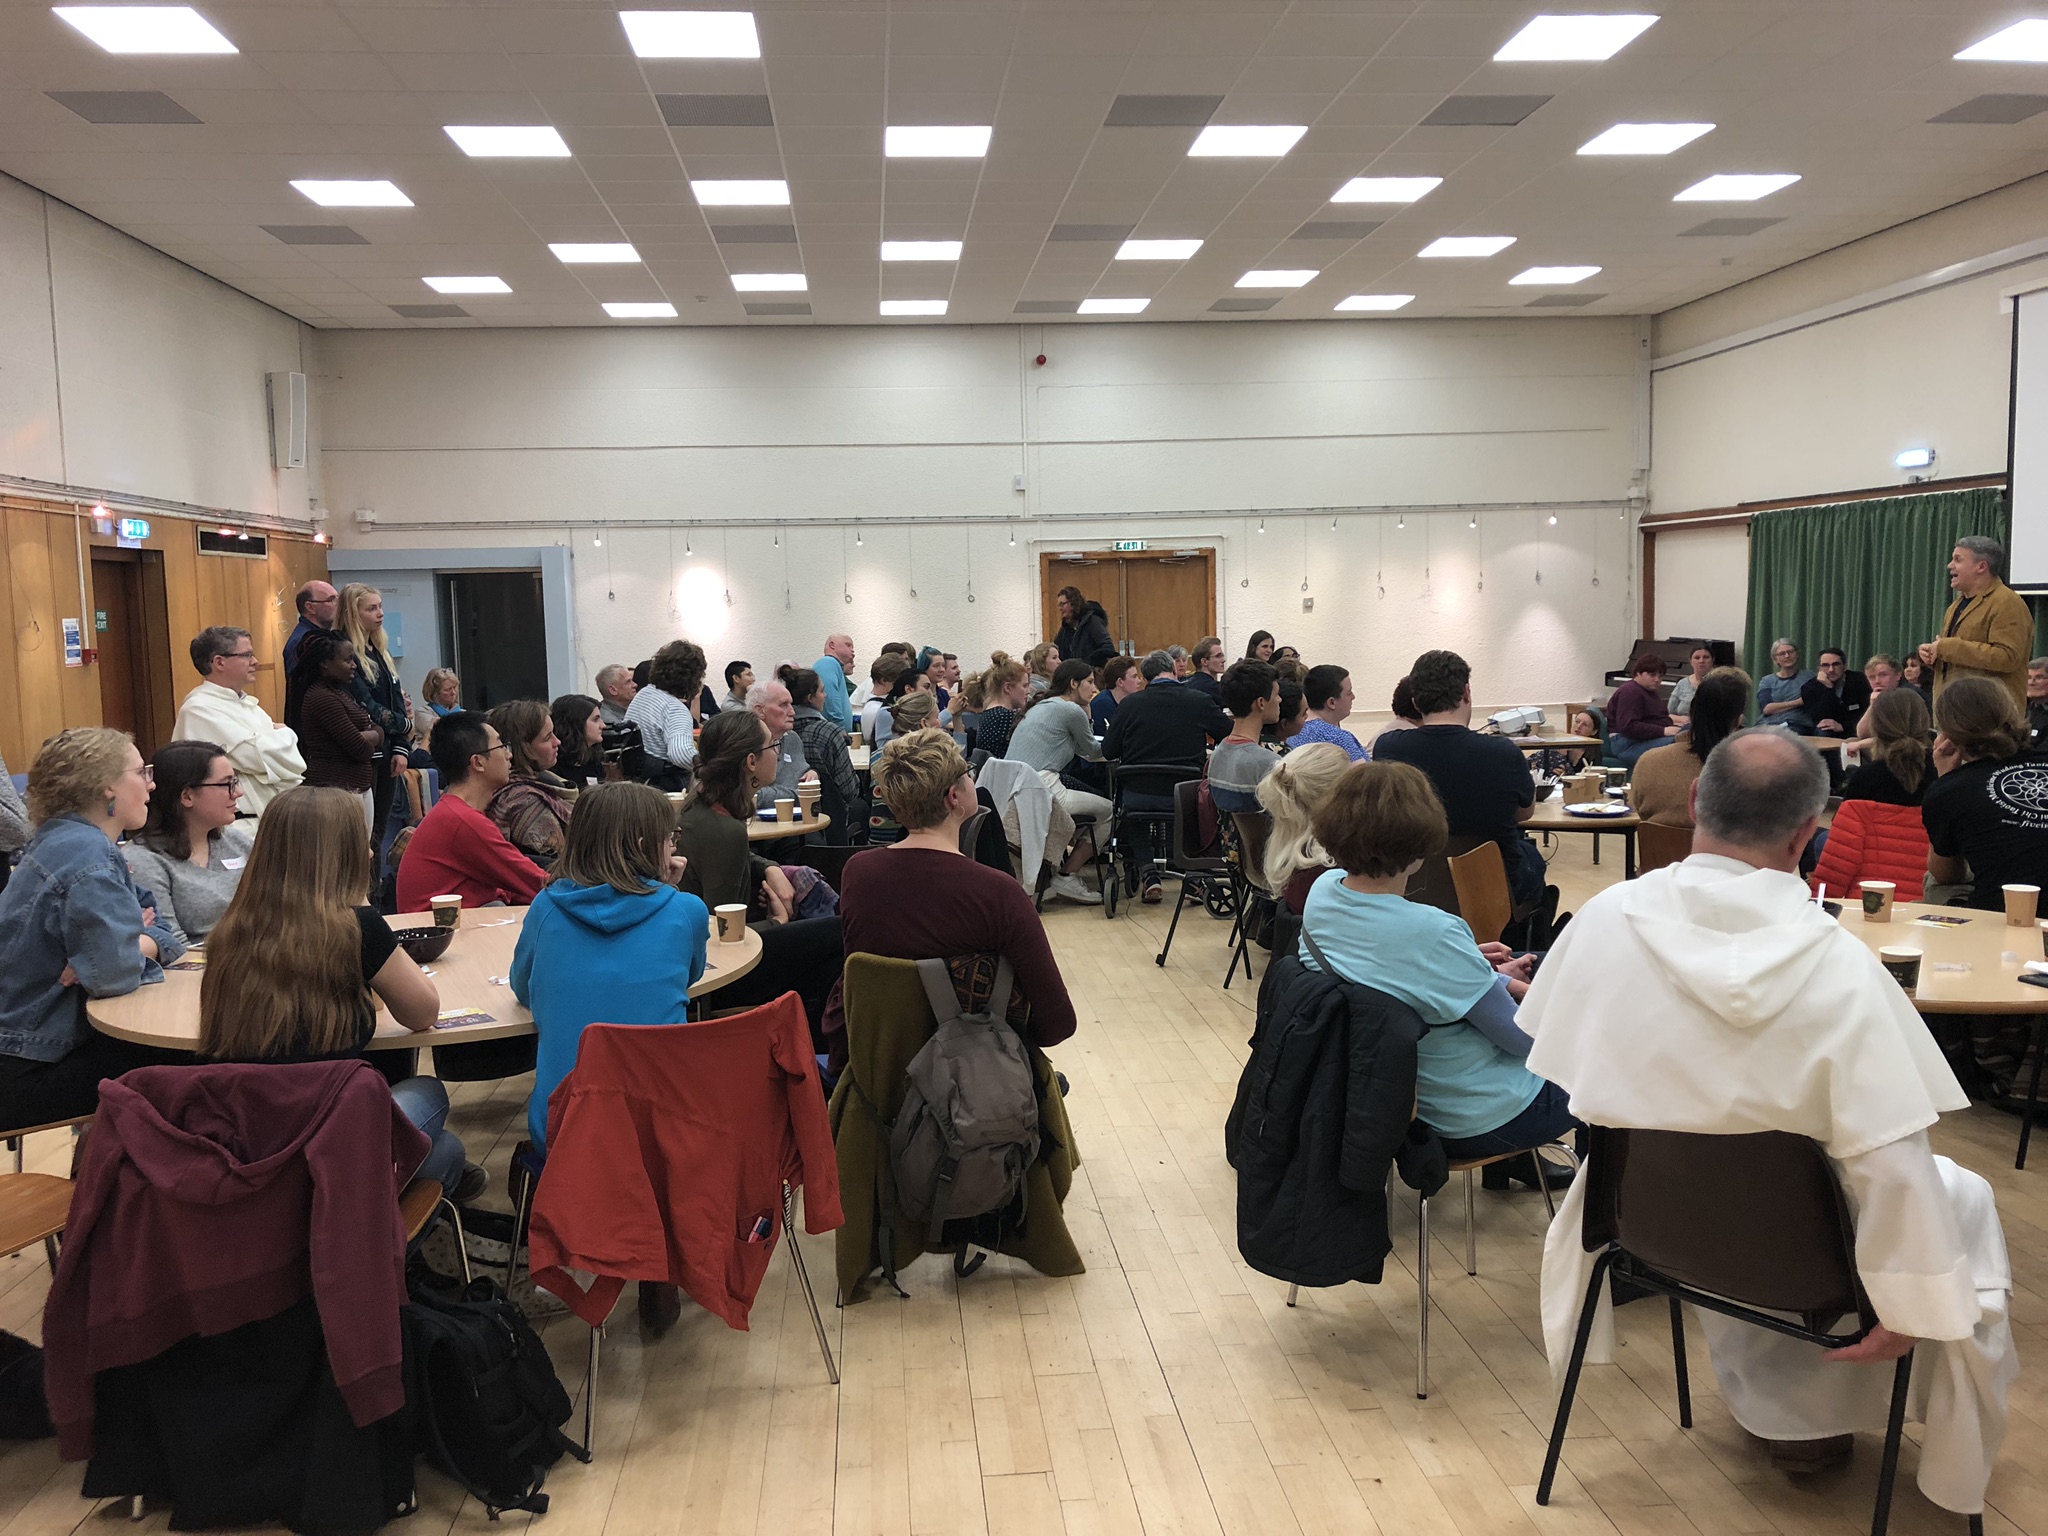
x=74, y=643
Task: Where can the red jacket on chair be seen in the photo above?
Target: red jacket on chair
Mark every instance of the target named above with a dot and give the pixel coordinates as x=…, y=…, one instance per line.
x=1874, y=841
x=213, y=1196
x=668, y=1147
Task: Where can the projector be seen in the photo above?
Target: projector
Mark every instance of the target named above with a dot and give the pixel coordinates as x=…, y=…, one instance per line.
x=1517, y=722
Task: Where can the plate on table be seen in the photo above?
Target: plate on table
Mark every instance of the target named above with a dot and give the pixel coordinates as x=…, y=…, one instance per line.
x=1598, y=810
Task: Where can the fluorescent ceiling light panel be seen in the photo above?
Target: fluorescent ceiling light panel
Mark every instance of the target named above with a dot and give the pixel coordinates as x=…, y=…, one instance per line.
x=1733, y=189
x=1113, y=306
x=1573, y=37
x=641, y=311
x=920, y=250
x=2024, y=42
x=913, y=306
x=936, y=143
x=1466, y=245
x=1293, y=277
x=692, y=34
x=741, y=194
x=467, y=284
x=1551, y=277
x=508, y=143
x=770, y=282
x=145, y=28
x=1644, y=138
x=1376, y=301
x=1157, y=250
x=1247, y=140
x=1386, y=189
x=354, y=194
x=580, y=255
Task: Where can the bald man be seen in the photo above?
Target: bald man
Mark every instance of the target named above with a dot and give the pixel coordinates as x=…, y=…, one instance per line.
x=833, y=669
x=317, y=605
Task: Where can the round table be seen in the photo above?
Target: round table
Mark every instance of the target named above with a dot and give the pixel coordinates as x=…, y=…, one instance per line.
x=761, y=830
x=1554, y=743
x=1551, y=815
x=1992, y=951
x=470, y=976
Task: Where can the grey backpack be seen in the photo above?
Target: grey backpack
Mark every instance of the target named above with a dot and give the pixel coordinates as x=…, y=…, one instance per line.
x=968, y=1129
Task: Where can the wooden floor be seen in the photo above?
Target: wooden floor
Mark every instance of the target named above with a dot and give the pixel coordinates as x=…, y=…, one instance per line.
x=1168, y=1391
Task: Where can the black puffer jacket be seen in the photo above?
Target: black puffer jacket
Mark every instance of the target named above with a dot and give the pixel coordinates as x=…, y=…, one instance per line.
x=1085, y=637
x=1322, y=1107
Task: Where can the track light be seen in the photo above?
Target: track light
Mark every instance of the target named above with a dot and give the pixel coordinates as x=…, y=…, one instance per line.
x=858, y=540
x=597, y=541
x=1262, y=525
x=1553, y=519
x=1474, y=522
x=1401, y=521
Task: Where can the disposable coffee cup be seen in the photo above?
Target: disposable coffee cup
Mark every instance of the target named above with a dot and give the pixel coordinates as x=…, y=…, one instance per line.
x=2022, y=903
x=807, y=797
x=675, y=801
x=2042, y=924
x=732, y=923
x=785, y=808
x=1904, y=965
x=447, y=911
x=1877, y=900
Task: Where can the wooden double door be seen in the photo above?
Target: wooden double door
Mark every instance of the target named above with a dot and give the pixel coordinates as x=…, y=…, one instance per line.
x=1154, y=598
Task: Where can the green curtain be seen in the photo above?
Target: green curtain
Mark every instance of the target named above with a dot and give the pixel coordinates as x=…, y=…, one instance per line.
x=1865, y=575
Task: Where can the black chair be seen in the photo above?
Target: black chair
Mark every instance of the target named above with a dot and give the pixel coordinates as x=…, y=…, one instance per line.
x=1251, y=831
x=1205, y=875
x=1748, y=1226
x=1125, y=820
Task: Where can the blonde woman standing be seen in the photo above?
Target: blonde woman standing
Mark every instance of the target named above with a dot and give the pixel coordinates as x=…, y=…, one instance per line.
x=379, y=691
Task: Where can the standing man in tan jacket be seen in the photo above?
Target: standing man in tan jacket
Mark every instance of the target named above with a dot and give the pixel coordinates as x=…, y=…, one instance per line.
x=1988, y=630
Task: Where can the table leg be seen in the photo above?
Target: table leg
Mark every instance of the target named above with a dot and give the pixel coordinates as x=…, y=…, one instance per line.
x=1596, y=847
x=1628, y=854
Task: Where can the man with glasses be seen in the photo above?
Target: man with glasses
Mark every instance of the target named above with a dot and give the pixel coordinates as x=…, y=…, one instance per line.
x=221, y=709
x=457, y=850
x=318, y=604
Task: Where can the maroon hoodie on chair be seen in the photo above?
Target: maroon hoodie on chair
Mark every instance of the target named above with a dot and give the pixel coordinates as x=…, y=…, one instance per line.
x=213, y=1196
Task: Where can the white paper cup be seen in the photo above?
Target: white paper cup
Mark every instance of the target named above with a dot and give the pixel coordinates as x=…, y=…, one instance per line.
x=732, y=923
x=1877, y=900
x=785, y=808
x=447, y=911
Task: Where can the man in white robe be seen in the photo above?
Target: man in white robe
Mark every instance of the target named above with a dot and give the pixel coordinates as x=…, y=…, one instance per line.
x=1713, y=996
x=221, y=710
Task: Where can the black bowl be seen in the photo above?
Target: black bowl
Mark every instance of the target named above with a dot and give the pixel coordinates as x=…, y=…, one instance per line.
x=424, y=944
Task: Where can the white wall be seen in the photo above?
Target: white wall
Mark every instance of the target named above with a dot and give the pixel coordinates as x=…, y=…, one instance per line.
x=1127, y=431
x=123, y=370
x=1824, y=407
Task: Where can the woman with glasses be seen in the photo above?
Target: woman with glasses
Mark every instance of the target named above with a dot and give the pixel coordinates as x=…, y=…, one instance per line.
x=191, y=852
x=72, y=926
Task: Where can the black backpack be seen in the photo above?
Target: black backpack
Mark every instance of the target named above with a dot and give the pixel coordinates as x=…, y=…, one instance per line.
x=490, y=1405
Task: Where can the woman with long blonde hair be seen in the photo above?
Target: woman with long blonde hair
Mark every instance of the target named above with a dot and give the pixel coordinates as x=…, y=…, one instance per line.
x=1291, y=793
x=297, y=963
x=378, y=690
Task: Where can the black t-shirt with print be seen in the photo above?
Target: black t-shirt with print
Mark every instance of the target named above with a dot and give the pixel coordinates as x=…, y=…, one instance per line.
x=1995, y=816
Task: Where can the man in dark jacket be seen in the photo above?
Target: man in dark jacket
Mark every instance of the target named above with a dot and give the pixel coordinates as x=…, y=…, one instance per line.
x=1084, y=629
x=1209, y=663
x=1836, y=698
x=1164, y=722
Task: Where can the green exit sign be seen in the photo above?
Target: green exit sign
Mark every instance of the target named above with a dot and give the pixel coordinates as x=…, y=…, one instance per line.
x=1128, y=546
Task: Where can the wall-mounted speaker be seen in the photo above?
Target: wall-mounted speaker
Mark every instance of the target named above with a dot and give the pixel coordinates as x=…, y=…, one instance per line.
x=287, y=392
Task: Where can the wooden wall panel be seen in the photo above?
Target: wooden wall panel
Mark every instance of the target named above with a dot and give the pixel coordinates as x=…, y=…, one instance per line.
x=39, y=545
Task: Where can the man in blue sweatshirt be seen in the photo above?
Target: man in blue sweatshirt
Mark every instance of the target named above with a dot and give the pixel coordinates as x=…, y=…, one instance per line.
x=833, y=669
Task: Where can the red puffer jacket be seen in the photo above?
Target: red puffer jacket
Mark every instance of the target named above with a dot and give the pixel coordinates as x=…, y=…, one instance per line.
x=1874, y=841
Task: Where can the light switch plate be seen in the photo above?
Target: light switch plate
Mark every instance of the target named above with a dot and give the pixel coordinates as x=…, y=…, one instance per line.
x=1308, y=605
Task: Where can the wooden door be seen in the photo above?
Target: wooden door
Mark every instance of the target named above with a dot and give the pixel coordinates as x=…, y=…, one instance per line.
x=1153, y=599
x=119, y=622
x=1168, y=600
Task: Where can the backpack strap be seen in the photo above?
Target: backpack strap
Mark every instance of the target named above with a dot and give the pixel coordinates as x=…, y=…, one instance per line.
x=1322, y=960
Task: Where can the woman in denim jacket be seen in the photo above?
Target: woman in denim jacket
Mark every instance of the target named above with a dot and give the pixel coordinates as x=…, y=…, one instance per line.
x=73, y=926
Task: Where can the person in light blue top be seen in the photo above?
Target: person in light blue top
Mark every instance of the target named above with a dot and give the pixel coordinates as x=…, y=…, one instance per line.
x=1778, y=693
x=1378, y=823
x=832, y=668
x=613, y=940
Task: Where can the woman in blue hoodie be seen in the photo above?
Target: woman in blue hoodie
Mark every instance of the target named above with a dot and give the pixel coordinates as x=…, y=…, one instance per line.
x=614, y=914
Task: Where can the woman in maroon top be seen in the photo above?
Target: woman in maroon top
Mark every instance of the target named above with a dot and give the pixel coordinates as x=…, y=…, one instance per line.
x=335, y=733
x=922, y=899
x=1636, y=717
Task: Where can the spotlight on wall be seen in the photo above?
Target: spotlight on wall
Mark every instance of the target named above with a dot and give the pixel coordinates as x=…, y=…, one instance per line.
x=1553, y=519
x=1401, y=521
x=1262, y=525
x=1472, y=522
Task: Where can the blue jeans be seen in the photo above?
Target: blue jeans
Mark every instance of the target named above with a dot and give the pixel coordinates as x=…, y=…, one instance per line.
x=424, y=1102
x=1547, y=1119
x=1625, y=752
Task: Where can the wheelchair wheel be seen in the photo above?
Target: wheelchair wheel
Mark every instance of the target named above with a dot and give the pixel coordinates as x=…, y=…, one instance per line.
x=1220, y=901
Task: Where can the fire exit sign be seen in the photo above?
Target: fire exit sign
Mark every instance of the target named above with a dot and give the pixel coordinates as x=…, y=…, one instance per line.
x=1128, y=546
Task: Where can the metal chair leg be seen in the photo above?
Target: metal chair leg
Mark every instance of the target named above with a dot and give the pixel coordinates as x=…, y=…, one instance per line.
x=1894, y=1431
x=2026, y=1118
x=461, y=1242
x=1422, y=1295
x=1678, y=1359
x=1471, y=1238
x=1543, y=1183
x=1293, y=1292
x=803, y=1278
x=1178, y=907
x=522, y=1213
x=1571, y=1376
x=590, y=1394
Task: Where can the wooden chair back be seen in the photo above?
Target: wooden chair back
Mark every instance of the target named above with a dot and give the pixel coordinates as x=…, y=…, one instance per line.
x=1481, y=881
x=1658, y=845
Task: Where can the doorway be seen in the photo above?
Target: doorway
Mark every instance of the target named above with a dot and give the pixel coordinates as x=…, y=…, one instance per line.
x=494, y=631
x=1153, y=599
x=131, y=628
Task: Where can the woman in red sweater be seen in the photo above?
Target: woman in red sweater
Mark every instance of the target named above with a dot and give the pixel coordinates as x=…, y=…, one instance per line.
x=335, y=732
x=922, y=899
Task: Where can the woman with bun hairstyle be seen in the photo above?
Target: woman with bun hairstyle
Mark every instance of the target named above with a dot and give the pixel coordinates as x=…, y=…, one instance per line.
x=1005, y=689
